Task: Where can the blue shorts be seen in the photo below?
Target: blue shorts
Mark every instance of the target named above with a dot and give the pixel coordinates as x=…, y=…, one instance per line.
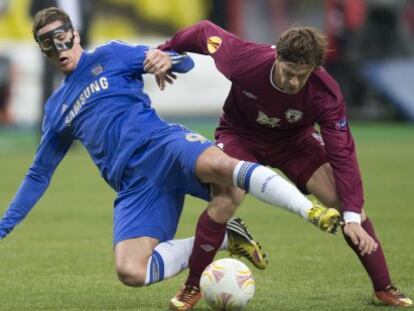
x=155, y=181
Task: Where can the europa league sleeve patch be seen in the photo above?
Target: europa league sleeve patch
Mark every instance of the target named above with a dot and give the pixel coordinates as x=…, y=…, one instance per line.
x=341, y=124
x=213, y=44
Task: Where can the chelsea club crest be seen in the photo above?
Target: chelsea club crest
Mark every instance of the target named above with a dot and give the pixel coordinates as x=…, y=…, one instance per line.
x=97, y=70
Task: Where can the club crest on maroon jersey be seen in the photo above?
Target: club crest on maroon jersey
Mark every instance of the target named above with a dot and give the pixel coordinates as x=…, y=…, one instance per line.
x=293, y=115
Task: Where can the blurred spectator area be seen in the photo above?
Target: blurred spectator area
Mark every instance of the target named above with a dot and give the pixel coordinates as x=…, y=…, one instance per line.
x=363, y=34
x=371, y=55
x=5, y=87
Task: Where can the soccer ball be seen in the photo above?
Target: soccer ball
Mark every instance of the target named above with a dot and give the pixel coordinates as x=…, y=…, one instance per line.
x=227, y=284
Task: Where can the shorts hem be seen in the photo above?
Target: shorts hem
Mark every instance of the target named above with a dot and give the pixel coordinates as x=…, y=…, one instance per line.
x=202, y=195
x=198, y=154
x=151, y=232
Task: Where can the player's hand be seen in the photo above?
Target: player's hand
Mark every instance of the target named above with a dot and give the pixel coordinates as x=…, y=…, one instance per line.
x=161, y=78
x=358, y=235
x=157, y=62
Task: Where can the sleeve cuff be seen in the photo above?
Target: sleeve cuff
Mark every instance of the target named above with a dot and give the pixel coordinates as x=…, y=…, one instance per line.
x=352, y=217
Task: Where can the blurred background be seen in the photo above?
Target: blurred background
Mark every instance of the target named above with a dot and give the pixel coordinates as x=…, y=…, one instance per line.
x=370, y=50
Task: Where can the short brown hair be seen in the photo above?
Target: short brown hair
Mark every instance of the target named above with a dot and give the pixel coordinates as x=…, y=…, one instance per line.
x=302, y=45
x=47, y=16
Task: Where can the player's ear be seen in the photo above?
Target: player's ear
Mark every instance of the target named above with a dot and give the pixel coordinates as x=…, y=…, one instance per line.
x=77, y=37
x=277, y=59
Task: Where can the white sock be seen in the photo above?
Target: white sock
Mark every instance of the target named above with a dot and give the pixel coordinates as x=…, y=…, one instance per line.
x=268, y=186
x=170, y=258
x=225, y=244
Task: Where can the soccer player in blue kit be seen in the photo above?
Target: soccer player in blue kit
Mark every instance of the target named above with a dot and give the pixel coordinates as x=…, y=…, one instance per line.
x=150, y=163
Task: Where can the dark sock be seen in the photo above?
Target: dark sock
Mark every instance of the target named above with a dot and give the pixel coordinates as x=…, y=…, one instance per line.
x=374, y=264
x=208, y=238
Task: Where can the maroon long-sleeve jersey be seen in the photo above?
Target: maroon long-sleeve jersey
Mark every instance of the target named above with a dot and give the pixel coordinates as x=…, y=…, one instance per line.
x=257, y=110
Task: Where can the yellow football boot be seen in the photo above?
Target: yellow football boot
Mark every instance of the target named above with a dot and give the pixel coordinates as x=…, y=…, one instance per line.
x=326, y=219
x=242, y=244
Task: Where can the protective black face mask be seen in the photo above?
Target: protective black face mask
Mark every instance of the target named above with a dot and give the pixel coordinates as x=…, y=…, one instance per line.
x=57, y=40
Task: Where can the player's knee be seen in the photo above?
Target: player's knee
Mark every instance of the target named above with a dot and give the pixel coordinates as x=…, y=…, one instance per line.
x=223, y=166
x=132, y=275
x=214, y=166
x=224, y=205
x=236, y=196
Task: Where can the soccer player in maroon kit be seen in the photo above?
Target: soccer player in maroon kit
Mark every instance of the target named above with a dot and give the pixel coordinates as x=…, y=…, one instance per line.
x=278, y=94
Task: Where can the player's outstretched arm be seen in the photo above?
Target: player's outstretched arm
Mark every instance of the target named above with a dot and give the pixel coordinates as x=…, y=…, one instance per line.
x=195, y=39
x=30, y=191
x=209, y=39
x=49, y=154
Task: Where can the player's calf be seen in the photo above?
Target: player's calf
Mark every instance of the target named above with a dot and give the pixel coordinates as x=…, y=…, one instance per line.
x=240, y=243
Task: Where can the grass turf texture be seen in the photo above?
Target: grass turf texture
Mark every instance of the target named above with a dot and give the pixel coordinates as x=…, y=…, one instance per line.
x=60, y=257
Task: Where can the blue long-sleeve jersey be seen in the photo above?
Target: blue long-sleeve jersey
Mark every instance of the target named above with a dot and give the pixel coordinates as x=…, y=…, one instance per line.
x=102, y=104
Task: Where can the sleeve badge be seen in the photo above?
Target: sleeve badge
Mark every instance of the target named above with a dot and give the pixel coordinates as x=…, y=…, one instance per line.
x=213, y=44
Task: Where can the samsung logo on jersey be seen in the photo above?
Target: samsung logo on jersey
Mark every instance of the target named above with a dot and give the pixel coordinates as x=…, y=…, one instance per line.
x=94, y=87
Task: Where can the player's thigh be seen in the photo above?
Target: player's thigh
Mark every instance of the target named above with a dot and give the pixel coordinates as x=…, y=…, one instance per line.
x=168, y=162
x=299, y=159
x=177, y=167
x=322, y=185
x=214, y=166
x=144, y=215
x=143, y=209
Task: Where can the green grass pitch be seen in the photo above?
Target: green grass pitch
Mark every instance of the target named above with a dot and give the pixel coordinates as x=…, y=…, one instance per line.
x=60, y=257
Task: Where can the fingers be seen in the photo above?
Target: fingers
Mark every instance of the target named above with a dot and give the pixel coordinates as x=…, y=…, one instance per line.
x=169, y=80
x=363, y=246
x=160, y=78
x=375, y=246
x=371, y=247
x=367, y=244
x=354, y=238
x=150, y=65
x=157, y=62
x=367, y=249
x=172, y=75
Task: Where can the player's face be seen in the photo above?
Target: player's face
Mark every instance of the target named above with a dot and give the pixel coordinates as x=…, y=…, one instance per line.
x=60, y=44
x=290, y=77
